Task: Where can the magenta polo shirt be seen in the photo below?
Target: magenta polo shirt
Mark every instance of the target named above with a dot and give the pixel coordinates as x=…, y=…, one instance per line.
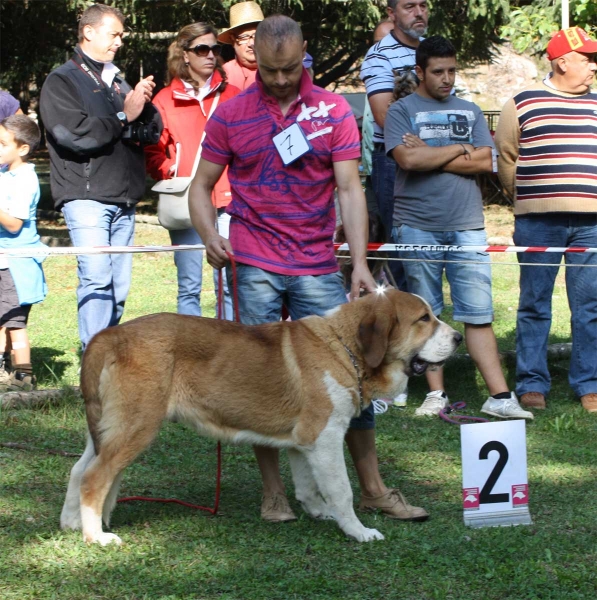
x=283, y=217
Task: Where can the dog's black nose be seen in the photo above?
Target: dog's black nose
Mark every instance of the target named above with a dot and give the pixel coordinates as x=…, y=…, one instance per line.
x=458, y=337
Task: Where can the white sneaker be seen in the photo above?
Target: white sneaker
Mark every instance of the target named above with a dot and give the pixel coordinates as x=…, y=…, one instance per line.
x=400, y=400
x=433, y=403
x=507, y=408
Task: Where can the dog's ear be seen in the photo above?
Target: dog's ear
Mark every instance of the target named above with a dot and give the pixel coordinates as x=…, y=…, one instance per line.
x=374, y=335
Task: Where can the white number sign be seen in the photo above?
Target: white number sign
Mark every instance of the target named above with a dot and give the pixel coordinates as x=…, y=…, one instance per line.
x=291, y=143
x=494, y=474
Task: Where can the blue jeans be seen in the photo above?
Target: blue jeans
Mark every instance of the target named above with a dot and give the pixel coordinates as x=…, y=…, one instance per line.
x=470, y=282
x=536, y=289
x=104, y=279
x=261, y=295
x=189, y=271
x=383, y=176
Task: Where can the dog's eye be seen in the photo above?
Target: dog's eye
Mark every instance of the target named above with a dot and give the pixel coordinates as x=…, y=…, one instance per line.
x=425, y=318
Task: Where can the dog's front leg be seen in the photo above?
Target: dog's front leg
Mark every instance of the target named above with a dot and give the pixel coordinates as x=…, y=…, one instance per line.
x=305, y=487
x=326, y=460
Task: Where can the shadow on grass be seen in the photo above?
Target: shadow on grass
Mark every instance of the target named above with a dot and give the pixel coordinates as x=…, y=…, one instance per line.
x=49, y=365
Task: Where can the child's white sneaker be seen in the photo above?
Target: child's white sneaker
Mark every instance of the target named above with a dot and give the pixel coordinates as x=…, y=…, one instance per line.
x=433, y=403
x=505, y=408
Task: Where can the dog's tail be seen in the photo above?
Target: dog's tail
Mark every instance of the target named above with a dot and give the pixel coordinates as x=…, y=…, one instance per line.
x=93, y=371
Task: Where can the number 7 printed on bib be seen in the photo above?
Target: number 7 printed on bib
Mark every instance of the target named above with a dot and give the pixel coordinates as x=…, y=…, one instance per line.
x=494, y=474
x=291, y=143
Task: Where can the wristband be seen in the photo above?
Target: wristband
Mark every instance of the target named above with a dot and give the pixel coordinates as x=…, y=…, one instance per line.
x=465, y=150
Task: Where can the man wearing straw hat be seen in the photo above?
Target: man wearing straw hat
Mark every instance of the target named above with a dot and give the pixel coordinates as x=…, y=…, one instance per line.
x=283, y=220
x=547, y=143
x=244, y=18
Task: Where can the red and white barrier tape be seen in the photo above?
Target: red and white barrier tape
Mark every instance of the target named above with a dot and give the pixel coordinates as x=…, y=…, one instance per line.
x=434, y=248
x=78, y=250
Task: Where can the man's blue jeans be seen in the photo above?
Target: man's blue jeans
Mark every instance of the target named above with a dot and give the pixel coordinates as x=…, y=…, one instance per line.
x=189, y=271
x=536, y=289
x=383, y=176
x=261, y=295
x=104, y=279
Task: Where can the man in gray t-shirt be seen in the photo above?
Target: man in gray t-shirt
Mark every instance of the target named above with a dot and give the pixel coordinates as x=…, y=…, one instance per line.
x=437, y=199
x=440, y=144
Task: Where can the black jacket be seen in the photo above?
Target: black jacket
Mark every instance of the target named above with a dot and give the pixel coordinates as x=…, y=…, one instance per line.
x=88, y=158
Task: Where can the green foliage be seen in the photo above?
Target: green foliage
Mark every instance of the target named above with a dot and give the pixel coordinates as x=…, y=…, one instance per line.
x=39, y=35
x=472, y=25
x=532, y=24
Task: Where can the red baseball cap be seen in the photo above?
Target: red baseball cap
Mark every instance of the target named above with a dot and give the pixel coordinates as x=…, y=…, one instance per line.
x=573, y=39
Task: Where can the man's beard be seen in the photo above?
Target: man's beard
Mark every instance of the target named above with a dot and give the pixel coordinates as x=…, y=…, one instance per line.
x=413, y=33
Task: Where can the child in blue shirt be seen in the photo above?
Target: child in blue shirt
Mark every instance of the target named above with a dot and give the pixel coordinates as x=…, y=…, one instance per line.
x=22, y=281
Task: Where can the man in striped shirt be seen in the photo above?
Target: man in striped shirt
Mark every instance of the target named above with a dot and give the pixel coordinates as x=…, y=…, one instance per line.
x=547, y=143
x=395, y=51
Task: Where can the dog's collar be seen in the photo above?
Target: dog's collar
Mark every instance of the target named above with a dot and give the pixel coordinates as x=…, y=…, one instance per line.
x=353, y=360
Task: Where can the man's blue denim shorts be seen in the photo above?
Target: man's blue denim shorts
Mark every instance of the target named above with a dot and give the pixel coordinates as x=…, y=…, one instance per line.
x=261, y=295
x=469, y=275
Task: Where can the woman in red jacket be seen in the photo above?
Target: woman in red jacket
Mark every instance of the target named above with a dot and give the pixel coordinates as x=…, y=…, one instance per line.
x=195, y=77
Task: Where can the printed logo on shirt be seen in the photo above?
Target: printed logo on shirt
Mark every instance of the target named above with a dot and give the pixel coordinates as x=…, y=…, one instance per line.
x=440, y=128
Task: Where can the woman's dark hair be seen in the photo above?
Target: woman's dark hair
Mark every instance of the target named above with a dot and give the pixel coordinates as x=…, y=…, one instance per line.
x=176, y=62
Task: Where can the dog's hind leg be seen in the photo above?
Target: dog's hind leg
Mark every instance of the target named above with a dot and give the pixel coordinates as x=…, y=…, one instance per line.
x=111, y=499
x=305, y=488
x=326, y=460
x=70, y=517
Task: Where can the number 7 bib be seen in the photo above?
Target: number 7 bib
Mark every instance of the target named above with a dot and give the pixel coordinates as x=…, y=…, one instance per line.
x=291, y=143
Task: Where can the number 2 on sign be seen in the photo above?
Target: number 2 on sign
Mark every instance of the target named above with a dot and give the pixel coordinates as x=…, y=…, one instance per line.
x=486, y=497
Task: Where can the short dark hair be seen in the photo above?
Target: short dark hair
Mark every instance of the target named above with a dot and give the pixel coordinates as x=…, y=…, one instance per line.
x=276, y=31
x=435, y=46
x=24, y=130
x=94, y=16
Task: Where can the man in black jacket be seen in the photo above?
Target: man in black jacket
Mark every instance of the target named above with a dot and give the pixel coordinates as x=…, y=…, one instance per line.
x=96, y=128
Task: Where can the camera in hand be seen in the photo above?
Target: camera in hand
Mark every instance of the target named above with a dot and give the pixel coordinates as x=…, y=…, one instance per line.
x=141, y=133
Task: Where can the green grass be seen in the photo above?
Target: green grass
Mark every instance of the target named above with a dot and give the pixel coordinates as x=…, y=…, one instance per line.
x=171, y=552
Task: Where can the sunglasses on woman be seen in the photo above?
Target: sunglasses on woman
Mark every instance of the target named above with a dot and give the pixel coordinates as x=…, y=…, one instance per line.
x=203, y=50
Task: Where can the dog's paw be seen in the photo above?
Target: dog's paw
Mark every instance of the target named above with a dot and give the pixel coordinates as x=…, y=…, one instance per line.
x=103, y=539
x=317, y=510
x=368, y=535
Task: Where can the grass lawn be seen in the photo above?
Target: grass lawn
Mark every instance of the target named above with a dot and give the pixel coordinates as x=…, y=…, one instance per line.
x=171, y=552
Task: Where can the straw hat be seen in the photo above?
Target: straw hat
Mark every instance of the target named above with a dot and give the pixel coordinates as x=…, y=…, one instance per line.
x=241, y=14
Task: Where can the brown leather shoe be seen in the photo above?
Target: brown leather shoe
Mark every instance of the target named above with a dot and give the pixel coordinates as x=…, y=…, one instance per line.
x=532, y=400
x=275, y=509
x=394, y=505
x=589, y=402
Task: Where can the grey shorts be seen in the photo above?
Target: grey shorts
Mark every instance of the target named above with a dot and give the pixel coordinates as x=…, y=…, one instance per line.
x=12, y=314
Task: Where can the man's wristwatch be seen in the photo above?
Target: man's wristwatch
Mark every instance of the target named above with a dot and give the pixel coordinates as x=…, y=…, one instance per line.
x=122, y=118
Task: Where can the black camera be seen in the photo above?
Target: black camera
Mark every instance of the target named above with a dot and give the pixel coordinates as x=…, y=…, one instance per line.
x=141, y=133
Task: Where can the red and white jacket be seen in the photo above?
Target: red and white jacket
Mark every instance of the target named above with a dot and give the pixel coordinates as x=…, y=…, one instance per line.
x=184, y=118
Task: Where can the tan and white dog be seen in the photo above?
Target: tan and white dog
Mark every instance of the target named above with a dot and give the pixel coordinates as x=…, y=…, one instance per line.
x=293, y=385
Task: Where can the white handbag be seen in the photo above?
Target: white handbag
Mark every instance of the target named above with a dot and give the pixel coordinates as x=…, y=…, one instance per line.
x=173, y=202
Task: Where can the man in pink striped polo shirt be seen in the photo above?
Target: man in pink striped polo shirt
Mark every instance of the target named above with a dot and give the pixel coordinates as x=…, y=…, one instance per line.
x=288, y=144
